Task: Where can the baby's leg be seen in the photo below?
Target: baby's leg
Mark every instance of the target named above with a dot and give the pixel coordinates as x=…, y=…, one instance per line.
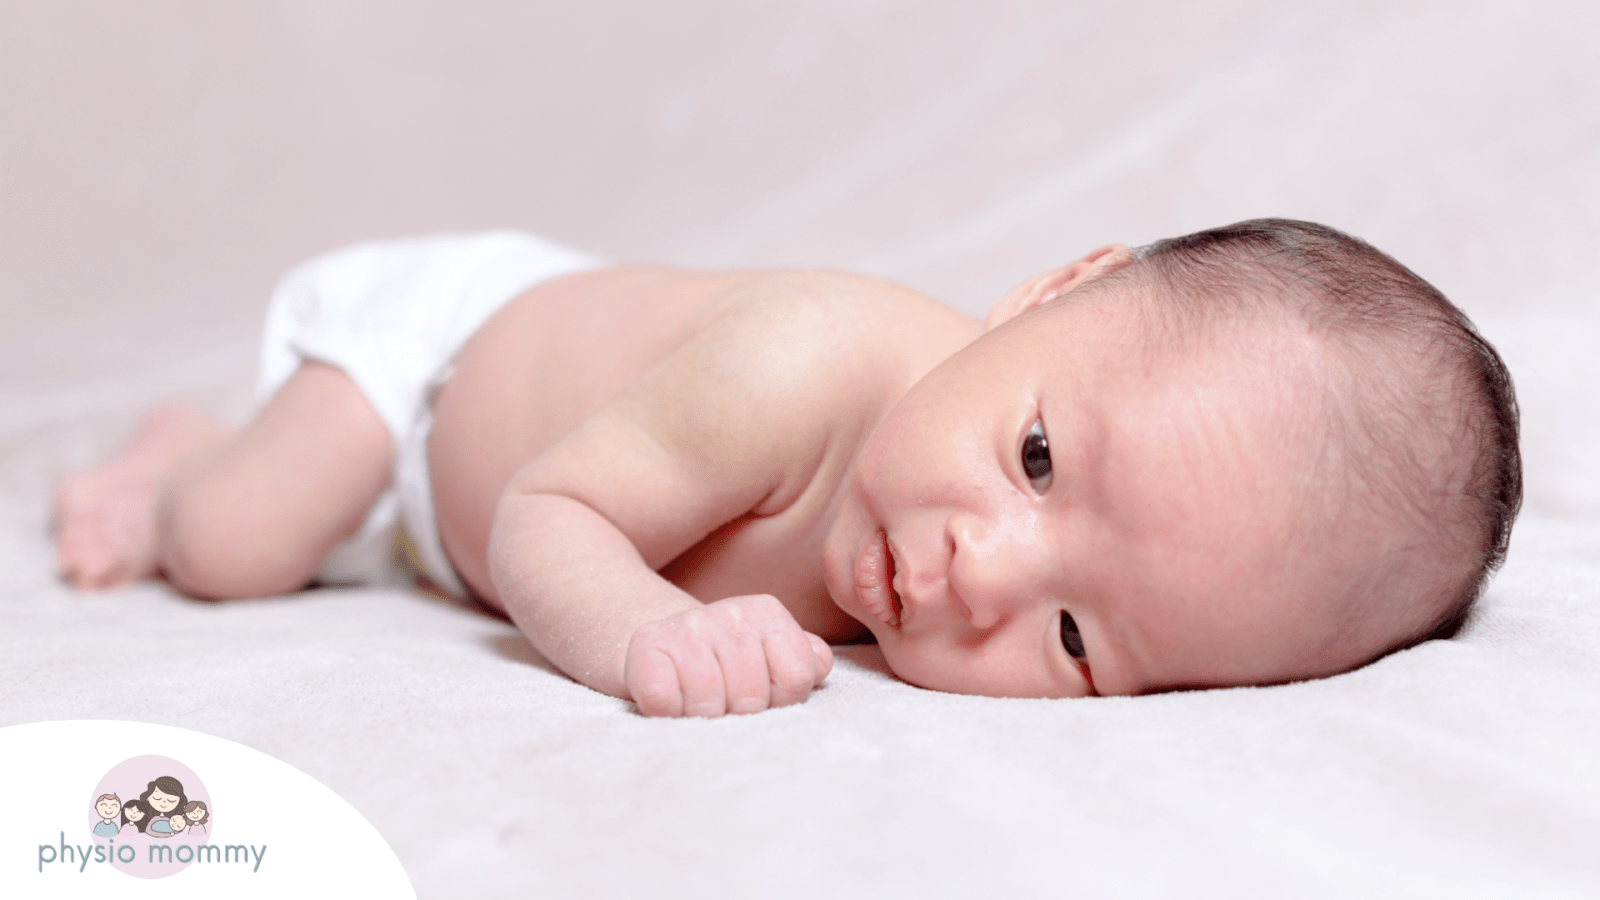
x=249, y=515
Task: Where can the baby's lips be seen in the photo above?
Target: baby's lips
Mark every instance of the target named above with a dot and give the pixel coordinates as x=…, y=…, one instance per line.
x=873, y=579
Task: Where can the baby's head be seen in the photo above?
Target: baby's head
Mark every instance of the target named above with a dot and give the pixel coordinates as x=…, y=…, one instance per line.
x=1411, y=474
x=1250, y=455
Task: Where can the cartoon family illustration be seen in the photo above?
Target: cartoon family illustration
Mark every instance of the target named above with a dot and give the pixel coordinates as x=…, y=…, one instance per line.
x=161, y=811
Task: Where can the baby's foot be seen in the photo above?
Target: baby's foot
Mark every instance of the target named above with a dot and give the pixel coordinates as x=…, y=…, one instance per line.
x=105, y=516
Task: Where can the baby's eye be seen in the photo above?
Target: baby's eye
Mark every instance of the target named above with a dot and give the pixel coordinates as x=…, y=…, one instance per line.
x=1070, y=638
x=1036, y=458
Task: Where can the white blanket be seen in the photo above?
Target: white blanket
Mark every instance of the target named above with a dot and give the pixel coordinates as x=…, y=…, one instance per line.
x=163, y=167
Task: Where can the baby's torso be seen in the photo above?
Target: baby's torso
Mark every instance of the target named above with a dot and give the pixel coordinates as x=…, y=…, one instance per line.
x=567, y=347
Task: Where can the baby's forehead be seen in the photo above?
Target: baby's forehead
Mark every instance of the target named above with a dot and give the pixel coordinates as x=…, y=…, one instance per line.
x=1113, y=343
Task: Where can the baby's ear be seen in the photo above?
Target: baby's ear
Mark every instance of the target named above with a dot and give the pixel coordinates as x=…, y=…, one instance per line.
x=1041, y=289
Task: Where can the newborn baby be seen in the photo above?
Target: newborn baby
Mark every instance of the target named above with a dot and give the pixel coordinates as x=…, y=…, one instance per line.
x=1255, y=454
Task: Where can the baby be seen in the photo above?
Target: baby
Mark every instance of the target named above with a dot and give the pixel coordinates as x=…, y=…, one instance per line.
x=1251, y=455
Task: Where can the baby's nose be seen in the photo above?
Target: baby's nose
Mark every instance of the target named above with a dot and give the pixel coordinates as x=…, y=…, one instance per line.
x=988, y=572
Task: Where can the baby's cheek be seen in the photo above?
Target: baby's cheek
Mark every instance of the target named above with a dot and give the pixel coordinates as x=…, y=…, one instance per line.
x=914, y=665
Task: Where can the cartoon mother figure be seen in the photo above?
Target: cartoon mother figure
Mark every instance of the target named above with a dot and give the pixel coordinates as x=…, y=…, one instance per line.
x=163, y=796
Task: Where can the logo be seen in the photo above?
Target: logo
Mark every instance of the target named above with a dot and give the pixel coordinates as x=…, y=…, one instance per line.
x=151, y=817
x=113, y=807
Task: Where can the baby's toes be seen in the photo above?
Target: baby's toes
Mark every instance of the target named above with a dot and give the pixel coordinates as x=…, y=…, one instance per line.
x=90, y=556
x=82, y=563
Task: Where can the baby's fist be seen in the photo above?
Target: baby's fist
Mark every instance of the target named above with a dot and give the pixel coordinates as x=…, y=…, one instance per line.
x=739, y=655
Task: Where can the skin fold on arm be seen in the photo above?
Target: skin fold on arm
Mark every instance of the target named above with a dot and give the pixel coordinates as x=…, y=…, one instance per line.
x=581, y=531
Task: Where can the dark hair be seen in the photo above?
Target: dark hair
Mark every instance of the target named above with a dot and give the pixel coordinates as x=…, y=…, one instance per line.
x=196, y=804
x=143, y=808
x=1380, y=311
x=168, y=785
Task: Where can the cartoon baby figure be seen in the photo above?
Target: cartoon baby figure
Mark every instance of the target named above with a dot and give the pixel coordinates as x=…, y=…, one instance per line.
x=164, y=797
x=175, y=823
x=135, y=815
x=198, y=816
x=109, y=808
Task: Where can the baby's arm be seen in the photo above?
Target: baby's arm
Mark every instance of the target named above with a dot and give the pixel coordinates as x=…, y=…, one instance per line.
x=719, y=430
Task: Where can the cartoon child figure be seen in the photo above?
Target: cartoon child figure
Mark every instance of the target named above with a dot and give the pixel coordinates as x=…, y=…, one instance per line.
x=109, y=808
x=175, y=823
x=198, y=816
x=135, y=815
x=164, y=796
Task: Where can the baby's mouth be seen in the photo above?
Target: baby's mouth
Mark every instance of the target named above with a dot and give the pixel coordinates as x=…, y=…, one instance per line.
x=875, y=579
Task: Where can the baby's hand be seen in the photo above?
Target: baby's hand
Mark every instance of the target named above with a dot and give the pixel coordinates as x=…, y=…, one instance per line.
x=739, y=655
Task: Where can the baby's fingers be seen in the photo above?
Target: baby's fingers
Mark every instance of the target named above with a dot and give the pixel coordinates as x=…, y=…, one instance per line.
x=792, y=665
x=823, y=654
x=652, y=678
x=700, y=675
x=744, y=673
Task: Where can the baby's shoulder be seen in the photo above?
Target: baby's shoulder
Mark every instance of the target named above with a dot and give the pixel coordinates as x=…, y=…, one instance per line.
x=826, y=329
x=784, y=382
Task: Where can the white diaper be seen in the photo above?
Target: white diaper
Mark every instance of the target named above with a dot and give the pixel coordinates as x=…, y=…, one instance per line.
x=393, y=315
